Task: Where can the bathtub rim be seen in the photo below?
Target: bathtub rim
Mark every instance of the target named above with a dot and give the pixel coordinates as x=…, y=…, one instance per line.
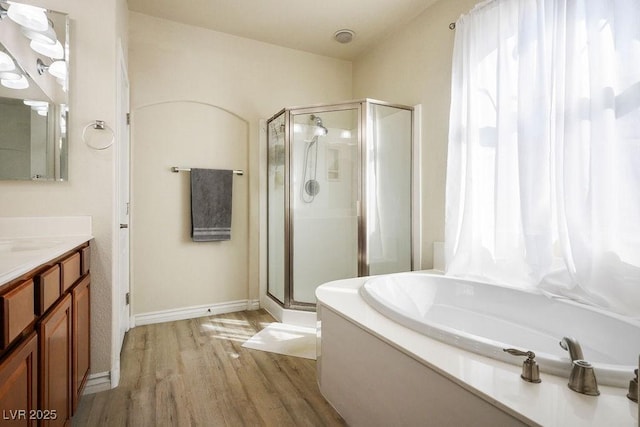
x=610, y=374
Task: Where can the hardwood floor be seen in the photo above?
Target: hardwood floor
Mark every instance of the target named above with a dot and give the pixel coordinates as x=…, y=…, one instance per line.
x=196, y=373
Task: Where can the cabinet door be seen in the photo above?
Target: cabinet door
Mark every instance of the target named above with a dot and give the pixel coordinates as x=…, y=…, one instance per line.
x=81, y=338
x=55, y=363
x=19, y=384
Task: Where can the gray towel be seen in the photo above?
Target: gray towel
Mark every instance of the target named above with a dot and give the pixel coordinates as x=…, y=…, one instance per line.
x=211, y=192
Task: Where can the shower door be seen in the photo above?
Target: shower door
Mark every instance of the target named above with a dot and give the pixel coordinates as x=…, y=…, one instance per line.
x=387, y=198
x=324, y=194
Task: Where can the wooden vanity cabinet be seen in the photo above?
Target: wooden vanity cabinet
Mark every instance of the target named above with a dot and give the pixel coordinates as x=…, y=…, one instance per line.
x=45, y=341
x=55, y=337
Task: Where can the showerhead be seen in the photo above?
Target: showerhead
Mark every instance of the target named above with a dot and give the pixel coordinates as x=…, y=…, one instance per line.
x=320, y=129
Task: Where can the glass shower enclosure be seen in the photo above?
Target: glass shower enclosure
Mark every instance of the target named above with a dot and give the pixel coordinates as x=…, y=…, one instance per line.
x=338, y=197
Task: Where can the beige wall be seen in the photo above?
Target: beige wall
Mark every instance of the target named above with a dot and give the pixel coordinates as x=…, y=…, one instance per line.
x=251, y=80
x=170, y=271
x=413, y=67
x=89, y=191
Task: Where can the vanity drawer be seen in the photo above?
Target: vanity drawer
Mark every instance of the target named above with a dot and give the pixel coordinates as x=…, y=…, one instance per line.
x=70, y=271
x=17, y=309
x=47, y=289
x=85, y=258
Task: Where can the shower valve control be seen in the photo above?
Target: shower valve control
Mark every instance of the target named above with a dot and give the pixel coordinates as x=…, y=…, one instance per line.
x=530, y=369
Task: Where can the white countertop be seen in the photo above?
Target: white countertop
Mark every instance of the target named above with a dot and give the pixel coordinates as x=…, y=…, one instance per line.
x=26, y=243
x=550, y=403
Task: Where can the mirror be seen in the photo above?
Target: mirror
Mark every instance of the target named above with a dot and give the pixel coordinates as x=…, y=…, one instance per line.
x=34, y=93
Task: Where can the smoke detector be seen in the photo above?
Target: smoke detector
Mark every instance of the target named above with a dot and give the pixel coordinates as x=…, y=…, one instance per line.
x=344, y=36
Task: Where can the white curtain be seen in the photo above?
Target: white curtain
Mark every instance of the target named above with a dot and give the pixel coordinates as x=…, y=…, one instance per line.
x=543, y=173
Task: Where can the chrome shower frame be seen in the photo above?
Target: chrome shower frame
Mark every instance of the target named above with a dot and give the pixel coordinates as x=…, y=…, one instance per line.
x=365, y=127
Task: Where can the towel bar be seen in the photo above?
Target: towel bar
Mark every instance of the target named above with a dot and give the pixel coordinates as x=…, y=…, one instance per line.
x=177, y=169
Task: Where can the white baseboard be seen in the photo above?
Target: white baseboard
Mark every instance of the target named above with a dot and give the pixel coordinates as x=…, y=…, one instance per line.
x=97, y=383
x=193, y=312
x=253, y=304
x=115, y=374
x=290, y=317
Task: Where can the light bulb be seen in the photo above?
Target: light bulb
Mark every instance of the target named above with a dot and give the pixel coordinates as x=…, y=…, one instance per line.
x=10, y=75
x=47, y=36
x=21, y=83
x=34, y=103
x=6, y=63
x=28, y=16
x=54, y=51
x=58, y=69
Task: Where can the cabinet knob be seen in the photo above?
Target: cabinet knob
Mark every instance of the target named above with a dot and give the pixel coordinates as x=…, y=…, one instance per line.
x=124, y=225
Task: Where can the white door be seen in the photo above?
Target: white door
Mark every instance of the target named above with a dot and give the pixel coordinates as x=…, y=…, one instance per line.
x=123, y=203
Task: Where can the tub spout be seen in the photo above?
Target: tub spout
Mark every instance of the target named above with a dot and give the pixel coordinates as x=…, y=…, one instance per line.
x=573, y=347
x=582, y=378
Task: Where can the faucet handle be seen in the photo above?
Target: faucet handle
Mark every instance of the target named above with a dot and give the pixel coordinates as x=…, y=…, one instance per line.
x=633, y=388
x=530, y=369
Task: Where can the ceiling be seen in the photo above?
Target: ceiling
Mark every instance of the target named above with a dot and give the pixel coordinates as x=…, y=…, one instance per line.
x=298, y=24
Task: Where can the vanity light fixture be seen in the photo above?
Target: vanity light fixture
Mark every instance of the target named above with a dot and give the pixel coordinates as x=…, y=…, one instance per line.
x=57, y=69
x=28, y=16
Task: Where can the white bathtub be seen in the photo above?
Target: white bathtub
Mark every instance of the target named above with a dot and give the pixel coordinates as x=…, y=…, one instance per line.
x=486, y=319
x=377, y=371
